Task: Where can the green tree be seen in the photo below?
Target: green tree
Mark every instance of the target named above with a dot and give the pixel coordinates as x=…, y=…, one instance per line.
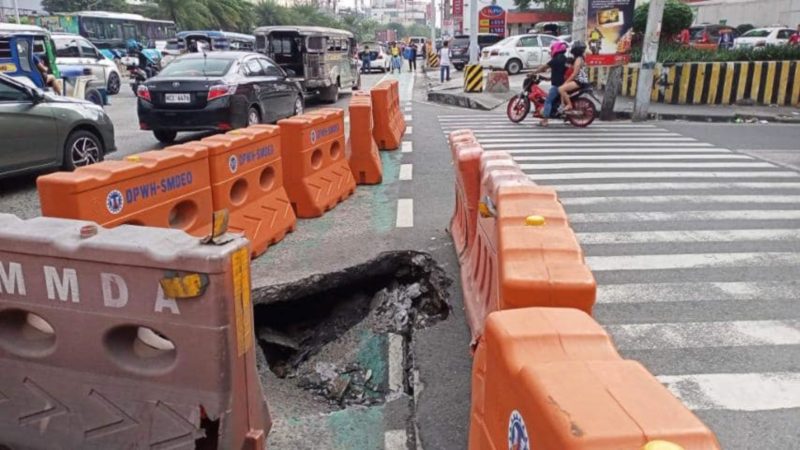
x=522, y=5
x=556, y=5
x=55, y=6
x=231, y=15
x=677, y=16
x=268, y=13
x=398, y=27
x=187, y=14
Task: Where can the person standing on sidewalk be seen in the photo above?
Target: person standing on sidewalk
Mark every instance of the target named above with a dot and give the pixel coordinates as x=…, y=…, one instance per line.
x=396, y=63
x=412, y=57
x=444, y=62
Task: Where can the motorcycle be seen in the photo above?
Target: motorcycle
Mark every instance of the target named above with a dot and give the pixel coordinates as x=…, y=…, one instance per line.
x=583, y=110
x=146, y=68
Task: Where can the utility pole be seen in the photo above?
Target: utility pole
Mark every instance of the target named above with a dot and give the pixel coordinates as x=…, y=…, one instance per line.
x=649, y=57
x=433, y=23
x=16, y=11
x=473, y=32
x=579, y=12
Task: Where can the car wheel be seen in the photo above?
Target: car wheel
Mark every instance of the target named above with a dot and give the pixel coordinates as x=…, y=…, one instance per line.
x=459, y=67
x=81, y=149
x=513, y=67
x=165, y=136
x=253, y=116
x=298, y=105
x=331, y=94
x=94, y=96
x=114, y=84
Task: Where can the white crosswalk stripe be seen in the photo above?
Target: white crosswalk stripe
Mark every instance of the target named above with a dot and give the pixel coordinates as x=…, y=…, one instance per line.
x=687, y=242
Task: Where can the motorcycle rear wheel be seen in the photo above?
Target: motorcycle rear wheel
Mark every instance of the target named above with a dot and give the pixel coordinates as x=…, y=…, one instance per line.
x=583, y=112
x=518, y=108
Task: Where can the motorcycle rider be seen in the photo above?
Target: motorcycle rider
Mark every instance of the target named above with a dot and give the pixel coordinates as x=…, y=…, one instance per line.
x=579, y=79
x=135, y=48
x=558, y=69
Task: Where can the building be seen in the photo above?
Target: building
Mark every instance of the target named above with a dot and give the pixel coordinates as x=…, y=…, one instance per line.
x=755, y=12
x=25, y=8
x=406, y=12
x=519, y=22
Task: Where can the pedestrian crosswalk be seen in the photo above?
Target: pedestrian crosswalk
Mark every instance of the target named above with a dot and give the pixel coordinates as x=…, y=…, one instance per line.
x=696, y=251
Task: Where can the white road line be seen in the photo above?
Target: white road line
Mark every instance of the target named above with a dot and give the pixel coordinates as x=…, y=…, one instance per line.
x=395, y=358
x=697, y=292
x=409, y=129
x=694, y=236
x=407, y=109
x=683, y=216
x=590, y=158
x=408, y=117
x=408, y=147
x=692, y=261
x=562, y=144
x=648, y=165
x=683, y=199
x=489, y=126
x=405, y=213
x=395, y=440
x=656, y=174
x=406, y=172
x=592, y=188
x=657, y=336
x=736, y=392
x=581, y=139
x=503, y=120
x=510, y=134
x=586, y=151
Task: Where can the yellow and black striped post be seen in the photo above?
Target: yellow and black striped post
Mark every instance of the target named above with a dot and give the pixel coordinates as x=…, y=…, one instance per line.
x=433, y=60
x=473, y=78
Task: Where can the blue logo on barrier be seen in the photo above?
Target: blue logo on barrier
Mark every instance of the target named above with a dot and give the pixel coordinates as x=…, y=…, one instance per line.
x=233, y=163
x=114, y=202
x=517, y=433
x=313, y=136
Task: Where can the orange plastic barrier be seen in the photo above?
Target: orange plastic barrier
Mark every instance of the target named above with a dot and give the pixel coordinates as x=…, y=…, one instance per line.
x=524, y=253
x=166, y=188
x=316, y=174
x=364, y=158
x=466, y=157
x=389, y=123
x=247, y=180
x=550, y=379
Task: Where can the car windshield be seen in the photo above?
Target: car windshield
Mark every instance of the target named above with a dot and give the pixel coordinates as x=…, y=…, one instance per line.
x=757, y=33
x=460, y=42
x=197, y=67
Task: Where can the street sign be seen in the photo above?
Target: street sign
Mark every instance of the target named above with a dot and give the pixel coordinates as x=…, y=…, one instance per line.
x=609, y=30
x=458, y=16
x=492, y=19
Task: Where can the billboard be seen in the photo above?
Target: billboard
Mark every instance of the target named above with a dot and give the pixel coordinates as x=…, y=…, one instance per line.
x=492, y=19
x=458, y=16
x=609, y=30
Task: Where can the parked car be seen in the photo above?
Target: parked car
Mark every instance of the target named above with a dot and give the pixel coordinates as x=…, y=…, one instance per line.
x=459, y=47
x=379, y=57
x=762, y=37
x=706, y=36
x=515, y=53
x=215, y=92
x=74, y=49
x=42, y=131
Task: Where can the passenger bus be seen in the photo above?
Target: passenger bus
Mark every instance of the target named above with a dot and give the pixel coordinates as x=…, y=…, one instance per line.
x=109, y=30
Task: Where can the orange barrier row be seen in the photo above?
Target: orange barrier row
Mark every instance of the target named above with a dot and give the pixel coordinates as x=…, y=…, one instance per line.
x=389, y=122
x=247, y=180
x=466, y=156
x=523, y=253
x=550, y=379
x=317, y=174
x=167, y=188
x=364, y=158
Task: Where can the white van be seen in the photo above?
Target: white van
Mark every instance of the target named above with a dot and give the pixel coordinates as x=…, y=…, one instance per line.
x=73, y=49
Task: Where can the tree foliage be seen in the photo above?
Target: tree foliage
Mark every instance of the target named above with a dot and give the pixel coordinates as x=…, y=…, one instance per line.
x=677, y=16
x=522, y=5
x=557, y=5
x=55, y=6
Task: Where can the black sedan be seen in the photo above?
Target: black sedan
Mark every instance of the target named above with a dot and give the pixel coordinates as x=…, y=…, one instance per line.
x=216, y=91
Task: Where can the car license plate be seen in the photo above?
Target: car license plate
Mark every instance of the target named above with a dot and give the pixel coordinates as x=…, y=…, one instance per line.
x=177, y=98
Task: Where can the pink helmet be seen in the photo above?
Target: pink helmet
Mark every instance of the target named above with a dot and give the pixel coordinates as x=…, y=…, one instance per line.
x=557, y=47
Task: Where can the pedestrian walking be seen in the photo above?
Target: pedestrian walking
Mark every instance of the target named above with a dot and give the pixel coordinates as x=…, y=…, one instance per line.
x=444, y=62
x=412, y=57
x=396, y=63
x=366, y=60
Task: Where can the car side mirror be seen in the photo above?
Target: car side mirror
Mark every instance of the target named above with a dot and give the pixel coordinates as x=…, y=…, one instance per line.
x=36, y=95
x=290, y=73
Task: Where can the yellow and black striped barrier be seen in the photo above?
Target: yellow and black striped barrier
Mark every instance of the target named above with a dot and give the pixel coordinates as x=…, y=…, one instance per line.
x=433, y=60
x=717, y=83
x=473, y=78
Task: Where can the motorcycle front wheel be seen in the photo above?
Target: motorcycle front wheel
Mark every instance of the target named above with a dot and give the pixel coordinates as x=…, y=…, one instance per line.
x=518, y=108
x=583, y=112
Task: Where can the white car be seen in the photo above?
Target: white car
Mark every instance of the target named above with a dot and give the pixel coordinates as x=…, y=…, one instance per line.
x=380, y=57
x=73, y=49
x=516, y=53
x=762, y=37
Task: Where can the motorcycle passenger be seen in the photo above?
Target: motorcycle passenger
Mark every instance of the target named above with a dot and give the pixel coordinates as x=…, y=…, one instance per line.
x=558, y=69
x=579, y=79
x=135, y=49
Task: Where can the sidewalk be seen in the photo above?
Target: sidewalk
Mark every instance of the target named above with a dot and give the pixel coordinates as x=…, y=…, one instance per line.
x=451, y=93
